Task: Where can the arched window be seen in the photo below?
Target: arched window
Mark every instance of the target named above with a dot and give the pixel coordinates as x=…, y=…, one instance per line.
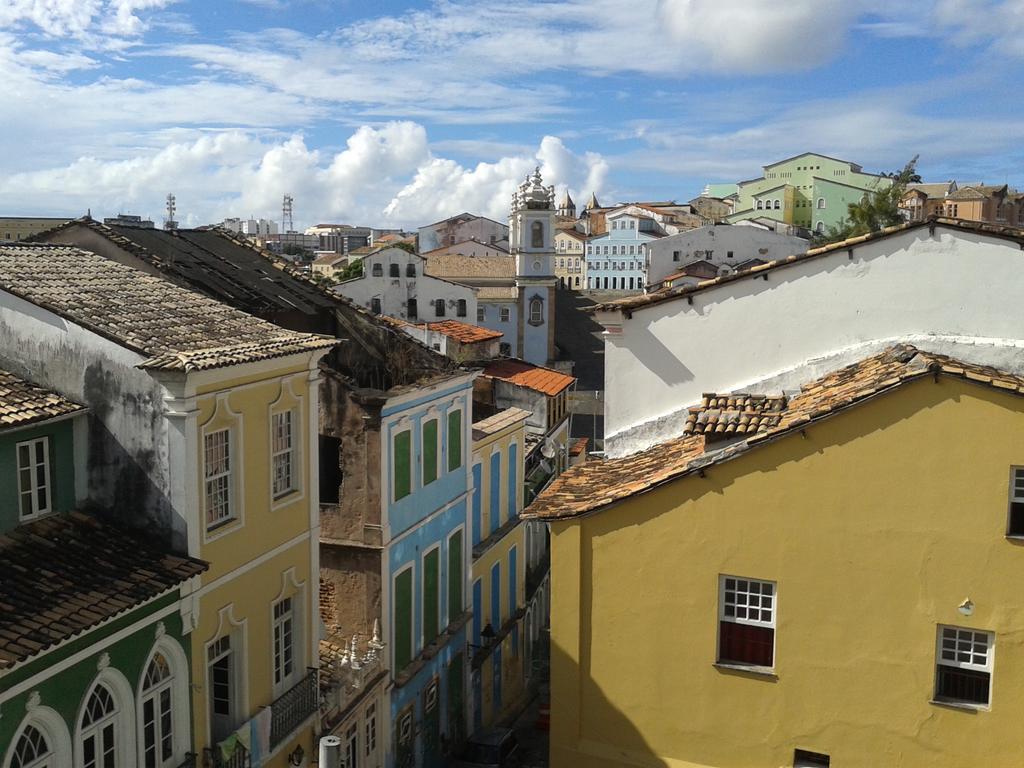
x=777, y=206
x=760, y=205
x=32, y=750
x=537, y=234
x=820, y=228
x=821, y=202
x=536, y=312
x=158, y=713
x=99, y=729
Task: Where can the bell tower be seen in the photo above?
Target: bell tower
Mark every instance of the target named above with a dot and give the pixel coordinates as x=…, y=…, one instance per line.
x=531, y=240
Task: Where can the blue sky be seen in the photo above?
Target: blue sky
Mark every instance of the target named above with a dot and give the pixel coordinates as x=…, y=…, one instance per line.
x=397, y=113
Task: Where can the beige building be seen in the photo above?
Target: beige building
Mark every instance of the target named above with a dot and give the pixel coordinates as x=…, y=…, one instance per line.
x=16, y=228
x=570, y=264
x=991, y=203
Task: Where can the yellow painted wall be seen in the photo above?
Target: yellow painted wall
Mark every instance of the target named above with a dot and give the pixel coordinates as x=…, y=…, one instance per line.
x=512, y=665
x=876, y=526
x=262, y=525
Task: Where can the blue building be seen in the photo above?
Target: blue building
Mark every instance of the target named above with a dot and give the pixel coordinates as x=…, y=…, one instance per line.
x=615, y=258
x=426, y=440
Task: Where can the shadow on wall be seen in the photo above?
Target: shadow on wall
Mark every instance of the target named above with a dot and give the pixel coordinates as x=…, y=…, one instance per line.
x=621, y=745
x=652, y=353
x=578, y=337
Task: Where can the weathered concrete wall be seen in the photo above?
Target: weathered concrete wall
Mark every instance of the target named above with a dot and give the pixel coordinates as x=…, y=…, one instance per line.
x=128, y=461
x=352, y=576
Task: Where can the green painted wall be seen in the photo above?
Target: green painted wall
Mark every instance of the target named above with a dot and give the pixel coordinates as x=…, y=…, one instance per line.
x=63, y=691
x=806, y=178
x=62, y=468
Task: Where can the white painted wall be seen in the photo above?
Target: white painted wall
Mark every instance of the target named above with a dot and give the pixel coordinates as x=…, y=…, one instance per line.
x=435, y=235
x=693, y=245
x=953, y=292
x=395, y=292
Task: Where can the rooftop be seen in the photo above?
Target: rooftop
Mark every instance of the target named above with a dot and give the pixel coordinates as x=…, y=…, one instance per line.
x=61, y=575
x=544, y=380
x=453, y=266
x=595, y=485
x=498, y=422
x=629, y=304
x=175, y=328
x=464, y=332
x=22, y=403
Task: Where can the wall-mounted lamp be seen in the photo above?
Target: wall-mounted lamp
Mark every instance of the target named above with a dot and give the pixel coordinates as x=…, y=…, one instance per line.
x=296, y=756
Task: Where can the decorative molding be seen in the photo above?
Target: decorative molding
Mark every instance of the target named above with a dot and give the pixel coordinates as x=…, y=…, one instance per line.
x=34, y=700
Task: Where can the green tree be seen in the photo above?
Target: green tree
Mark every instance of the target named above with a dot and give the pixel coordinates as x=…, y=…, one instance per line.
x=874, y=211
x=404, y=246
x=352, y=269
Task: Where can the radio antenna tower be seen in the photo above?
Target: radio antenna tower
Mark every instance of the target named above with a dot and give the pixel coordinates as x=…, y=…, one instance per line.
x=287, y=225
x=169, y=222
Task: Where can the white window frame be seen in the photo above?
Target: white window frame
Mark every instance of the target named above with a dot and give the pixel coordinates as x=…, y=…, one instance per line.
x=226, y=474
x=285, y=641
x=370, y=717
x=722, y=604
x=33, y=472
x=96, y=729
x=154, y=693
x=536, y=311
x=287, y=454
x=1016, y=497
x=987, y=666
x=481, y=314
x=505, y=313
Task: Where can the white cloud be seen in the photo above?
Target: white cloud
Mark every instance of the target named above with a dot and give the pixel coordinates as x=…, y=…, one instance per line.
x=384, y=175
x=79, y=18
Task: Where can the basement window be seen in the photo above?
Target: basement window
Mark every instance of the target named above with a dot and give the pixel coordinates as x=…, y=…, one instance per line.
x=1015, y=524
x=803, y=758
x=746, y=627
x=963, y=666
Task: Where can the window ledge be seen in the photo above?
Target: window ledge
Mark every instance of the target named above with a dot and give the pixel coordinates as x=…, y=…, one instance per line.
x=750, y=669
x=961, y=705
x=1015, y=536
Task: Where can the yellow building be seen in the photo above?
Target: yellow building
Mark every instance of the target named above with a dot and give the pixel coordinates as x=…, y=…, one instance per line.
x=498, y=570
x=570, y=262
x=15, y=228
x=204, y=429
x=828, y=579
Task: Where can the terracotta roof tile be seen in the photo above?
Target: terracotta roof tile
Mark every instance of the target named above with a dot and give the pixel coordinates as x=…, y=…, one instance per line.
x=596, y=484
x=453, y=266
x=499, y=421
x=61, y=575
x=724, y=416
x=497, y=293
x=24, y=403
x=464, y=332
x=535, y=377
x=174, y=327
x=628, y=305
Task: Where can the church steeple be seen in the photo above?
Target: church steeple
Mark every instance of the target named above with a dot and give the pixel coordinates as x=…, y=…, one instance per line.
x=567, y=208
x=592, y=202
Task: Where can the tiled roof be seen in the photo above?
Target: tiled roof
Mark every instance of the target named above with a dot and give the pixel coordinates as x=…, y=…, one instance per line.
x=498, y=422
x=23, y=403
x=464, y=332
x=935, y=189
x=64, y=574
x=579, y=446
x=598, y=484
x=454, y=266
x=329, y=258
x=724, y=416
x=627, y=305
x=174, y=327
x=470, y=240
x=524, y=374
x=497, y=293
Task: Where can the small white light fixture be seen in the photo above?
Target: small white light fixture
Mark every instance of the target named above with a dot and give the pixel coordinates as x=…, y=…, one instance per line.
x=966, y=607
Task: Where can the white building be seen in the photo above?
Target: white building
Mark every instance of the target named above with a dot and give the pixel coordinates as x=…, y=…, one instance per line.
x=394, y=283
x=250, y=227
x=723, y=245
x=468, y=248
x=944, y=285
x=459, y=229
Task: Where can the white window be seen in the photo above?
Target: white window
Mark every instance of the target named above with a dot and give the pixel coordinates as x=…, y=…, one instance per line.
x=820, y=227
x=34, y=478
x=217, y=471
x=746, y=631
x=283, y=453
x=821, y=203
x=32, y=750
x=506, y=314
x=1015, y=526
x=158, y=714
x=221, y=686
x=352, y=747
x=371, y=729
x=536, y=311
x=481, y=314
x=99, y=729
x=615, y=250
x=760, y=205
x=284, y=642
x=963, y=669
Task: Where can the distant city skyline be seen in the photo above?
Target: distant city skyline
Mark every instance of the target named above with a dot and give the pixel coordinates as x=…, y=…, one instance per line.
x=401, y=113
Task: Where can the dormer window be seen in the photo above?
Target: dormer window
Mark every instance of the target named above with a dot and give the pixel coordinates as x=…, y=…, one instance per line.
x=34, y=478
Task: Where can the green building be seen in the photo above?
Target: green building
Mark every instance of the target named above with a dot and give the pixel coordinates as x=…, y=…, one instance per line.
x=809, y=191
x=93, y=666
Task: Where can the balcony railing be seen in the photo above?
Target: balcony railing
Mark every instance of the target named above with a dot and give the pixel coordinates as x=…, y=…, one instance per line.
x=293, y=708
x=214, y=758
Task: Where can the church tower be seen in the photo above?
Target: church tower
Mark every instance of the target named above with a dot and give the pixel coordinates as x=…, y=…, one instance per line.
x=567, y=208
x=531, y=239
